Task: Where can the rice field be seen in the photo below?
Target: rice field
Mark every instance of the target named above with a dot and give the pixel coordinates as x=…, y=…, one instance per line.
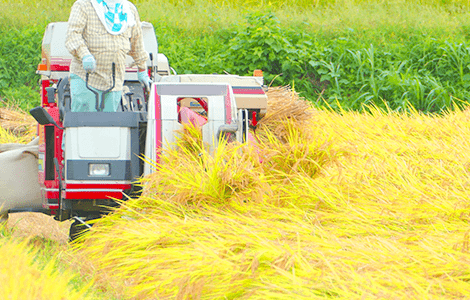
x=23, y=277
x=349, y=205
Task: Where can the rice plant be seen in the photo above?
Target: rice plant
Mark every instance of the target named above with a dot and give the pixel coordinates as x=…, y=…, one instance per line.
x=22, y=277
x=382, y=212
x=16, y=126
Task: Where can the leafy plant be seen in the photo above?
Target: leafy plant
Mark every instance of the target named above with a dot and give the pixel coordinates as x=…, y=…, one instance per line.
x=262, y=44
x=328, y=58
x=20, y=53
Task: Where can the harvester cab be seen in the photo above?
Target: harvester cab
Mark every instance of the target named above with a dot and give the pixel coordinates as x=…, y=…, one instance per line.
x=89, y=159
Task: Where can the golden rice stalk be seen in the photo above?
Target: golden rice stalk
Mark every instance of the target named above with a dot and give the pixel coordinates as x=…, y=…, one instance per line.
x=388, y=218
x=7, y=137
x=289, y=141
x=285, y=104
x=17, y=121
x=23, y=278
x=190, y=140
x=190, y=174
x=298, y=152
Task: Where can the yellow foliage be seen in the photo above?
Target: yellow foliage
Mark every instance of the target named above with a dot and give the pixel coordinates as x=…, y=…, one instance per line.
x=351, y=206
x=21, y=277
x=17, y=123
x=7, y=137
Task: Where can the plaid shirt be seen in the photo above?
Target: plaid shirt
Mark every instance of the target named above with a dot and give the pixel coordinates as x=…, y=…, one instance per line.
x=87, y=35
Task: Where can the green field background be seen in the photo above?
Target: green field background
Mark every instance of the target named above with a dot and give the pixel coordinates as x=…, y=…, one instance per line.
x=395, y=54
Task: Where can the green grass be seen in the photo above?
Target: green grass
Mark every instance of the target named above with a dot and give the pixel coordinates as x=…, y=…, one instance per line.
x=392, y=53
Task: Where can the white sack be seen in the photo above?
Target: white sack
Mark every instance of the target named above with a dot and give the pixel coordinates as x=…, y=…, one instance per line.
x=19, y=187
x=8, y=147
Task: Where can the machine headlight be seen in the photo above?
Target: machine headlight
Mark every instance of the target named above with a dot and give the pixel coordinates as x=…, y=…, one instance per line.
x=98, y=169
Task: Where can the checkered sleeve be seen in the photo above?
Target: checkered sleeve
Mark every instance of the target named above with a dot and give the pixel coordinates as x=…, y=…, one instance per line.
x=76, y=25
x=138, y=52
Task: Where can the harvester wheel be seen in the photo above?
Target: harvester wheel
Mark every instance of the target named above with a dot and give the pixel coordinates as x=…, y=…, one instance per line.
x=77, y=228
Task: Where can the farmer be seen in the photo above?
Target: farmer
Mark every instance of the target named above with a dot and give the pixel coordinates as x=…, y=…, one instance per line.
x=99, y=33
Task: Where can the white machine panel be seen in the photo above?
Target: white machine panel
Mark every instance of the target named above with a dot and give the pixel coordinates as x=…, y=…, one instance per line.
x=163, y=113
x=111, y=143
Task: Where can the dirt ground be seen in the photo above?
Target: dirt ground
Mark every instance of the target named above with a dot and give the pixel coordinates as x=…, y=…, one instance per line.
x=37, y=224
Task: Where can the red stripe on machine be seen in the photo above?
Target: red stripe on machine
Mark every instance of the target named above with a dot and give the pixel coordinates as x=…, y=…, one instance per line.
x=228, y=107
x=248, y=90
x=52, y=194
x=93, y=195
x=158, y=126
x=98, y=186
x=60, y=64
x=60, y=68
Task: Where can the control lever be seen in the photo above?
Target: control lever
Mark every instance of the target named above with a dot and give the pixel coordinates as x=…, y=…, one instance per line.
x=98, y=106
x=129, y=101
x=135, y=106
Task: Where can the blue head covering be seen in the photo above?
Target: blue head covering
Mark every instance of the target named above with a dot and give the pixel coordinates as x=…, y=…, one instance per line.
x=115, y=15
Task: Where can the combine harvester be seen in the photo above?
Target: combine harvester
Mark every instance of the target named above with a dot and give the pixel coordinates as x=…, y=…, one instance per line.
x=87, y=159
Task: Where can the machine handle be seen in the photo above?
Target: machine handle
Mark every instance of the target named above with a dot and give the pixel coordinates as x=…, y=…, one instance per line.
x=113, y=69
x=97, y=95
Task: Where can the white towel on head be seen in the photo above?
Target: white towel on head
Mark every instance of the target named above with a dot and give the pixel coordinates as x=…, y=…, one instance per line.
x=116, y=15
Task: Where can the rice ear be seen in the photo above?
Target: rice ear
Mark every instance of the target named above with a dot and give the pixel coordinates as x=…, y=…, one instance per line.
x=17, y=121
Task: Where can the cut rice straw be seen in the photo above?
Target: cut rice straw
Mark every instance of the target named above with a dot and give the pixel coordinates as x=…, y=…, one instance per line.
x=385, y=214
x=17, y=122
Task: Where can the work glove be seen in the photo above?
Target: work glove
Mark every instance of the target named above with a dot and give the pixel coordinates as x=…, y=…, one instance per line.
x=144, y=79
x=89, y=63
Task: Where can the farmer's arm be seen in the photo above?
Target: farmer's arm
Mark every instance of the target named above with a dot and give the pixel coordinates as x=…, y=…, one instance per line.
x=138, y=52
x=74, y=41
